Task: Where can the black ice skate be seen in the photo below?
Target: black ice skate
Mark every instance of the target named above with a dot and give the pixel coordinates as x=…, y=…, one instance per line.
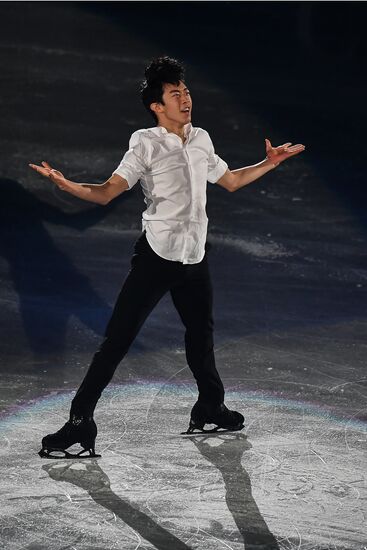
x=223, y=418
x=81, y=430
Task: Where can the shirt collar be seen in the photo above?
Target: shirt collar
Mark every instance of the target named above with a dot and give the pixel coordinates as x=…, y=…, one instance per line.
x=159, y=130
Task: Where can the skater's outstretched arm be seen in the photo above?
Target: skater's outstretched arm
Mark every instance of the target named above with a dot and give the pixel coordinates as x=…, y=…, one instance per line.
x=98, y=193
x=235, y=179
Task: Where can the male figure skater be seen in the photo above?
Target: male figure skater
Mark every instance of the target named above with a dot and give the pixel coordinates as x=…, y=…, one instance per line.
x=173, y=161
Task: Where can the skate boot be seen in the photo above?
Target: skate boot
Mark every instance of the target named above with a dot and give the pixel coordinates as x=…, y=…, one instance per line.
x=78, y=429
x=224, y=419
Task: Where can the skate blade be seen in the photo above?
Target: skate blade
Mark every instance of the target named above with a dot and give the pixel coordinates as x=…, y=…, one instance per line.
x=201, y=431
x=47, y=453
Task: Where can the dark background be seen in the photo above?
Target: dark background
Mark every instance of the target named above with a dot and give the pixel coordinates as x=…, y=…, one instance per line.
x=292, y=70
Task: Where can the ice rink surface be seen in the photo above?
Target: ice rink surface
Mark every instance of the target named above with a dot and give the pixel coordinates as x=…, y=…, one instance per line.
x=288, y=263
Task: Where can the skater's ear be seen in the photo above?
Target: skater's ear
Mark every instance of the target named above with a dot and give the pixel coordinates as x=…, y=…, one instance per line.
x=157, y=107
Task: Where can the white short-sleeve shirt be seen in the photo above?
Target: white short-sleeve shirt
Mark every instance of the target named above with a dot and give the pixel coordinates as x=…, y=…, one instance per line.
x=173, y=176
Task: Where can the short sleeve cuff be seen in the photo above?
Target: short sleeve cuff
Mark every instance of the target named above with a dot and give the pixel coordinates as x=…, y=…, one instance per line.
x=219, y=171
x=124, y=173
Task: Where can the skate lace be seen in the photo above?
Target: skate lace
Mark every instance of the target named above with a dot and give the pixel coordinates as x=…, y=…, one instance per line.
x=74, y=422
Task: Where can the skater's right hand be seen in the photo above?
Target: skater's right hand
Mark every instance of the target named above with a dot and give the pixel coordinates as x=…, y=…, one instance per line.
x=54, y=175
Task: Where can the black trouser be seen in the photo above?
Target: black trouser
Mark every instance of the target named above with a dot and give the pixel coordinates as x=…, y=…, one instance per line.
x=149, y=278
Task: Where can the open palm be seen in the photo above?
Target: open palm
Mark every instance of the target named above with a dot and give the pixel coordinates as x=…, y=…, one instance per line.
x=278, y=154
x=54, y=175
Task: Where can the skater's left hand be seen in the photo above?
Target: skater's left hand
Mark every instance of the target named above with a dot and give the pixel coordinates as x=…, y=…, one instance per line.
x=276, y=155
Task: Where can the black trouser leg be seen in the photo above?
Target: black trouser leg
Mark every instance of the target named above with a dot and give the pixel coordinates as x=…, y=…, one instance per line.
x=144, y=286
x=193, y=299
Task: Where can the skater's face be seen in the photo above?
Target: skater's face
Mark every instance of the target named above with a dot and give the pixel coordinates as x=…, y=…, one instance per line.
x=176, y=106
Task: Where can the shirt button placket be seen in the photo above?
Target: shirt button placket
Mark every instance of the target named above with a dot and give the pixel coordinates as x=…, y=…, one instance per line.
x=191, y=193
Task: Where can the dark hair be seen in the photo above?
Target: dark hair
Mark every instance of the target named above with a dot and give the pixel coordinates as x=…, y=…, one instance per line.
x=161, y=70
